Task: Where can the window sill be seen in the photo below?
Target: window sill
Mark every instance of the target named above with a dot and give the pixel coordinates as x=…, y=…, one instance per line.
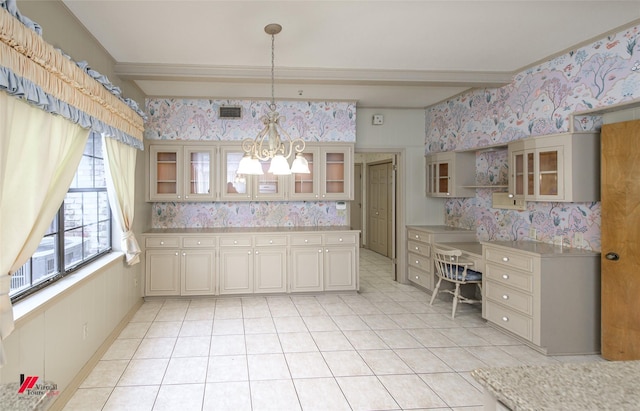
x=38, y=302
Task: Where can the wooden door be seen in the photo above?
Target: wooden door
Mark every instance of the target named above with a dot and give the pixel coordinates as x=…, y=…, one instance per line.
x=355, y=206
x=620, y=189
x=378, y=210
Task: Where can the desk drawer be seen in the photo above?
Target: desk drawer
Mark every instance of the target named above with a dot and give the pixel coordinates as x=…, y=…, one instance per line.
x=423, y=278
x=199, y=242
x=162, y=242
x=511, y=320
x=509, y=258
x=517, y=300
x=506, y=276
x=419, y=262
x=419, y=236
x=306, y=239
x=419, y=248
x=236, y=241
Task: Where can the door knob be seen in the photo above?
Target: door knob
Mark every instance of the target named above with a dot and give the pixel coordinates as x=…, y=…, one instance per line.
x=612, y=256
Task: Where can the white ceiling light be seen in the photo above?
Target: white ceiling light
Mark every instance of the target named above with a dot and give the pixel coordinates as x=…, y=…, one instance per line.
x=273, y=142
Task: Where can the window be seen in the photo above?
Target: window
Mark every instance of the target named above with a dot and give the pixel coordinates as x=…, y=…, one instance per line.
x=78, y=234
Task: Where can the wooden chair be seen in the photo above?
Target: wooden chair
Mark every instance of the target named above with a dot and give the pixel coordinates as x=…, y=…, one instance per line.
x=450, y=268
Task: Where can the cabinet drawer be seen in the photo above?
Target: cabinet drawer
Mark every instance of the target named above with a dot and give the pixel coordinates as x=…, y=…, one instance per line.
x=162, y=242
x=236, y=241
x=306, y=239
x=419, y=236
x=510, y=277
x=510, y=320
x=419, y=262
x=343, y=238
x=199, y=242
x=423, y=278
x=510, y=258
x=271, y=240
x=419, y=248
x=517, y=300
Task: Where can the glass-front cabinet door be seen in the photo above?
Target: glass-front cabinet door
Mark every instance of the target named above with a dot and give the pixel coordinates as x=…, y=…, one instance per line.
x=200, y=166
x=305, y=186
x=268, y=187
x=234, y=186
x=336, y=173
x=550, y=178
x=165, y=174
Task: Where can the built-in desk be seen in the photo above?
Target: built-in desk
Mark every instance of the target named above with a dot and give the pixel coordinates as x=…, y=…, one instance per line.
x=471, y=251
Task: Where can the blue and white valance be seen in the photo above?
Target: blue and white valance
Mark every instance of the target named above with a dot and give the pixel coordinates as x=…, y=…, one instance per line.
x=33, y=70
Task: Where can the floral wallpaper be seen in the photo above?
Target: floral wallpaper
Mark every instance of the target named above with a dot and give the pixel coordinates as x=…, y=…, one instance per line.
x=197, y=119
x=539, y=101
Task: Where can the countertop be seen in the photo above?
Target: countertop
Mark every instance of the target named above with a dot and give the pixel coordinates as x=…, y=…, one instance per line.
x=539, y=248
x=437, y=229
x=243, y=230
x=601, y=385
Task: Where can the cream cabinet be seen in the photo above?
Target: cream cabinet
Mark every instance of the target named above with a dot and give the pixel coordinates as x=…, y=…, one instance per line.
x=341, y=253
x=240, y=187
x=331, y=175
x=544, y=294
x=181, y=173
x=270, y=263
x=307, y=263
x=177, y=266
x=560, y=167
x=420, y=266
x=451, y=174
x=236, y=264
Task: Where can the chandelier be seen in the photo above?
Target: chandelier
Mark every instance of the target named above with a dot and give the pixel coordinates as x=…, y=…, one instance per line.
x=273, y=142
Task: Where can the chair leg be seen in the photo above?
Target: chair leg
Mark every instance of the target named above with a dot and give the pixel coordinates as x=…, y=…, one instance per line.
x=435, y=291
x=456, y=297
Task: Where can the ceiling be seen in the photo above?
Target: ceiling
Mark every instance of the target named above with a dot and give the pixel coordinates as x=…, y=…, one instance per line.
x=382, y=54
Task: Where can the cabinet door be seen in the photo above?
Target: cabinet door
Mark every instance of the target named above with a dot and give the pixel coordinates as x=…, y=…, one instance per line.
x=198, y=272
x=236, y=270
x=340, y=268
x=162, y=272
x=233, y=186
x=270, y=264
x=307, y=268
x=199, y=174
x=432, y=177
x=268, y=187
x=165, y=173
x=550, y=177
x=336, y=166
x=305, y=186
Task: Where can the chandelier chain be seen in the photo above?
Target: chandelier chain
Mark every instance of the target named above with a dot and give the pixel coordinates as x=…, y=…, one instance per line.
x=273, y=60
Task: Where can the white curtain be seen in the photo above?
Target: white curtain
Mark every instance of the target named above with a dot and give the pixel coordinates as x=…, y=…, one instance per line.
x=121, y=175
x=39, y=155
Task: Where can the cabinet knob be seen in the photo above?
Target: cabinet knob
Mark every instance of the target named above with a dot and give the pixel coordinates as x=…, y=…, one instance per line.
x=316, y=196
x=326, y=251
x=505, y=276
x=319, y=251
x=417, y=248
x=505, y=259
x=235, y=241
x=306, y=241
x=340, y=240
x=270, y=241
x=199, y=243
x=417, y=236
x=417, y=262
x=448, y=194
x=179, y=196
x=417, y=277
x=323, y=196
x=186, y=196
x=510, y=195
x=249, y=252
x=183, y=254
x=161, y=242
x=176, y=253
x=505, y=297
x=257, y=252
x=505, y=319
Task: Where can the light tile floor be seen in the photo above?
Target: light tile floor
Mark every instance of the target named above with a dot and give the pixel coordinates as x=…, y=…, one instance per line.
x=384, y=348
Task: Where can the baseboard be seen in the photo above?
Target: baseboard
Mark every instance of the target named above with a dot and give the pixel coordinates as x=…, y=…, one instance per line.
x=66, y=394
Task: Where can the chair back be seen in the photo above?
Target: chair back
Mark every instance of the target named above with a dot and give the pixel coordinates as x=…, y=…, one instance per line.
x=449, y=266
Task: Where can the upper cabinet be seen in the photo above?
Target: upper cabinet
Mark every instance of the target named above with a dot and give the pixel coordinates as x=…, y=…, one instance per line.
x=451, y=174
x=181, y=172
x=240, y=187
x=184, y=172
x=560, y=167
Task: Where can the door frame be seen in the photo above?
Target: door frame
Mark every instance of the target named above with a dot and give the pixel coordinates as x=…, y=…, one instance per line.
x=399, y=218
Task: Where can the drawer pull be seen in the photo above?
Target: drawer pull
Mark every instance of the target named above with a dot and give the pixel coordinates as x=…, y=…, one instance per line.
x=505, y=259
x=199, y=242
x=306, y=241
x=340, y=240
x=505, y=276
x=505, y=297
x=417, y=262
x=257, y=252
x=184, y=254
x=270, y=241
x=505, y=319
x=417, y=248
x=235, y=242
x=417, y=277
x=176, y=253
x=319, y=251
x=417, y=236
x=161, y=242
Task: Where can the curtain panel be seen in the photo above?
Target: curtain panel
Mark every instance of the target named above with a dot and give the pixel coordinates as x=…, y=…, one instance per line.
x=39, y=156
x=121, y=172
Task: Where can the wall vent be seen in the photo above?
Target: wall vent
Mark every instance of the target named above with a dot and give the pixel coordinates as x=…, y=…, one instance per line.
x=230, y=112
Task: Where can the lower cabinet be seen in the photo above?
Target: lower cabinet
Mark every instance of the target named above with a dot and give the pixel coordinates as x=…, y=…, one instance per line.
x=251, y=263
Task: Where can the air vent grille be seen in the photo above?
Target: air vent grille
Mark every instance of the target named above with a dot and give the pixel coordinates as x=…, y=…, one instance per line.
x=230, y=112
